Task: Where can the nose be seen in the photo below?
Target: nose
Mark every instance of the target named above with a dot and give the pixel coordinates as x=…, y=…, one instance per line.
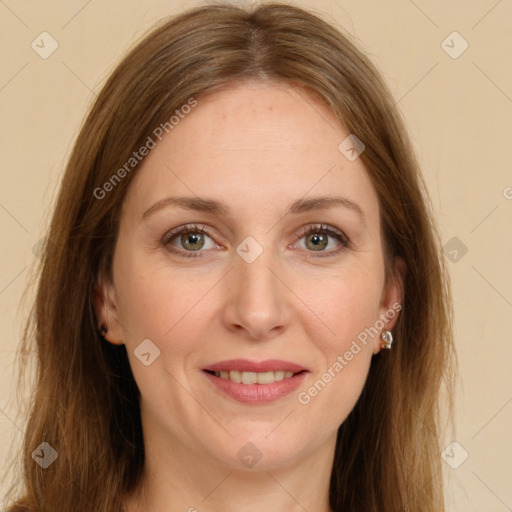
x=257, y=299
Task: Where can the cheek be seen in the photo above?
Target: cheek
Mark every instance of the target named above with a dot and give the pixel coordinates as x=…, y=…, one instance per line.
x=347, y=302
x=164, y=311
x=344, y=388
x=154, y=303
x=346, y=356
x=348, y=305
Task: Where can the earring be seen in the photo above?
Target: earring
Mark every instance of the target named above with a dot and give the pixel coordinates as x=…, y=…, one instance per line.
x=103, y=329
x=387, y=339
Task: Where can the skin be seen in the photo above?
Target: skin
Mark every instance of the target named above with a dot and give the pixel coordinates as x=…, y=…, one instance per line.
x=257, y=148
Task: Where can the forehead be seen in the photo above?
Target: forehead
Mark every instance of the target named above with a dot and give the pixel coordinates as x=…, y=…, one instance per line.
x=251, y=145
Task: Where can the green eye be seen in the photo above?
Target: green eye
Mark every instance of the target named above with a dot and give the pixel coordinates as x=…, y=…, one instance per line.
x=317, y=239
x=192, y=239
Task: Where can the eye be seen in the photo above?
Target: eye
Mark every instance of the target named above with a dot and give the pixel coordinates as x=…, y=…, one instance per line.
x=316, y=239
x=190, y=239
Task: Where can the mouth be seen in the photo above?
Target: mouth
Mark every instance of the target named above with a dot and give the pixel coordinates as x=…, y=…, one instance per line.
x=249, y=378
x=255, y=382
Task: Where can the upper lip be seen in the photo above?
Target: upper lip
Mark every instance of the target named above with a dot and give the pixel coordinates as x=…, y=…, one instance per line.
x=245, y=365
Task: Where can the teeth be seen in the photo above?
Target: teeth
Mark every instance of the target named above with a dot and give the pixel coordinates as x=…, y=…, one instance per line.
x=249, y=378
x=254, y=377
x=234, y=375
x=266, y=377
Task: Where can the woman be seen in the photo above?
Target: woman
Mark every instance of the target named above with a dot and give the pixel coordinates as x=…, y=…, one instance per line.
x=244, y=304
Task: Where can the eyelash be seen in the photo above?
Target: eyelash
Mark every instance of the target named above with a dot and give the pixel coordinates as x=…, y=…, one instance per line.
x=315, y=229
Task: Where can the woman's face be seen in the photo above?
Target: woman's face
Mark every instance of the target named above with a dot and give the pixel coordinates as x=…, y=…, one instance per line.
x=265, y=281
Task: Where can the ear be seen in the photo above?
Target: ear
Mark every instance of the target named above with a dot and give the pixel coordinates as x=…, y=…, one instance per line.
x=391, y=301
x=106, y=311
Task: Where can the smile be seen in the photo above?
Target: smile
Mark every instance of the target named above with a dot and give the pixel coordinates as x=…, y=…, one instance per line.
x=254, y=377
x=255, y=382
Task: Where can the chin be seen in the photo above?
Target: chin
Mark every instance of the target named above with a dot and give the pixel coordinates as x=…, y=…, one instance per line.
x=261, y=453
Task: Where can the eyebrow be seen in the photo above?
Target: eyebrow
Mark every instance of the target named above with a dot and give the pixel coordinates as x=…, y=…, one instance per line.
x=217, y=208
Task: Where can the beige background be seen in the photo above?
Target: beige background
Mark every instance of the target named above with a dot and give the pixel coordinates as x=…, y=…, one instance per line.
x=459, y=112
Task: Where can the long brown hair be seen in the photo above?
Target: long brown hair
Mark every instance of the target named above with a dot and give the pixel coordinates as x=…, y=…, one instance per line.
x=86, y=403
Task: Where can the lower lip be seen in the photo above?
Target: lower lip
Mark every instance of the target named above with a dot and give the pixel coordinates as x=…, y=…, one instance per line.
x=257, y=393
